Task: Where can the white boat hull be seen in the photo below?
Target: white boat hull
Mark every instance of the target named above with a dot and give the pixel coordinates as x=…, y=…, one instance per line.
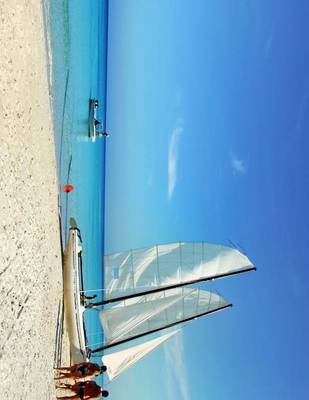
x=72, y=305
x=92, y=118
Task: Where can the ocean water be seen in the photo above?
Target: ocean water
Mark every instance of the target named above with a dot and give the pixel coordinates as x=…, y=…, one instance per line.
x=78, y=43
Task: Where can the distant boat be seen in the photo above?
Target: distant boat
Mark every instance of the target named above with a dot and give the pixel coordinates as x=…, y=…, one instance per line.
x=146, y=291
x=93, y=122
x=94, y=104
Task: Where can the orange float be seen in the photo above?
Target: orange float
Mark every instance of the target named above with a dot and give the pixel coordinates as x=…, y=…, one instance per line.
x=68, y=188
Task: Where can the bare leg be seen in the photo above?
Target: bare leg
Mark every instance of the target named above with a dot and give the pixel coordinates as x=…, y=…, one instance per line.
x=68, y=375
x=62, y=376
x=63, y=386
x=63, y=369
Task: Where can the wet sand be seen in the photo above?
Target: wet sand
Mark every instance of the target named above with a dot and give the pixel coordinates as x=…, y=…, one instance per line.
x=30, y=267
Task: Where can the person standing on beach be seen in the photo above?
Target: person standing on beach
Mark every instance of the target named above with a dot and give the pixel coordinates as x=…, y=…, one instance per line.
x=81, y=370
x=83, y=390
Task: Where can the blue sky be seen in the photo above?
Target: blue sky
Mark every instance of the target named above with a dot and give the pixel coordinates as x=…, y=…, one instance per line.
x=208, y=114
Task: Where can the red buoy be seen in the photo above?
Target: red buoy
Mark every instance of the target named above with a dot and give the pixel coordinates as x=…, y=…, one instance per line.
x=68, y=188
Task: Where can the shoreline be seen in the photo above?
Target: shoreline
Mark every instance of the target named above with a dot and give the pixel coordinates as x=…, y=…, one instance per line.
x=31, y=267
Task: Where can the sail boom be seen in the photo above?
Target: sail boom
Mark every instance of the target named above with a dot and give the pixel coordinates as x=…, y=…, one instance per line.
x=159, y=329
x=174, y=286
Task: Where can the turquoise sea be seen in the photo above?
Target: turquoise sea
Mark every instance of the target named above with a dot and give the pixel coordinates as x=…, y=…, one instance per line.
x=78, y=42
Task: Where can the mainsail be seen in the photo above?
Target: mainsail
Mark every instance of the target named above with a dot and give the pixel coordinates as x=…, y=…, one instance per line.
x=151, y=313
x=119, y=361
x=152, y=269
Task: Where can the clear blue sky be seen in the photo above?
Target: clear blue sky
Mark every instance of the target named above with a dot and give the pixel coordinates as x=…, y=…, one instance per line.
x=208, y=111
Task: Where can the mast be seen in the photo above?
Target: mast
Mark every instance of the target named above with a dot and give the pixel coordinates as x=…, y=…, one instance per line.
x=158, y=329
x=159, y=289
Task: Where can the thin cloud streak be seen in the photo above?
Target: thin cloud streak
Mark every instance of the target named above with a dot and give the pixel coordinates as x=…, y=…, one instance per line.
x=303, y=111
x=176, y=369
x=238, y=165
x=173, y=158
x=269, y=44
x=178, y=97
x=150, y=180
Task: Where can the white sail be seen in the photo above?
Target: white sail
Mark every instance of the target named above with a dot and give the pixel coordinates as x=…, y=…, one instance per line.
x=158, y=267
x=119, y=361
x=149, y=313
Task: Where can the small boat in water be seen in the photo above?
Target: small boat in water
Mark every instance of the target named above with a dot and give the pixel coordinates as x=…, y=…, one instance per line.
x=93, y=107
x=94, y=123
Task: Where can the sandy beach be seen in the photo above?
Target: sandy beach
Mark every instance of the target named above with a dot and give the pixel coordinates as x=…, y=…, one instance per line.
x=30, y=267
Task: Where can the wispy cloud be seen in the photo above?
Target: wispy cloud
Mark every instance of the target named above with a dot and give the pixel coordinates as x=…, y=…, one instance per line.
x=303, y=111
x=269, y=44
x=150, y=180
x=173, y=157
x=178, y=97
x=176, y=376
x=238, y=165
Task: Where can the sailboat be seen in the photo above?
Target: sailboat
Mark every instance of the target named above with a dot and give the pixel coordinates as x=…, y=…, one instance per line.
x=93, y=107
x=146, y=292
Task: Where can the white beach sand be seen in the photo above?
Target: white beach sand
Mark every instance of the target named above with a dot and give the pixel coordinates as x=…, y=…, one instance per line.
x=30, y=267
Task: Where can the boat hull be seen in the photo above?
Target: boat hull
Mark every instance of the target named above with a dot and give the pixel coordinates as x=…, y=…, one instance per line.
x=92, y=118
x=72, y=305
